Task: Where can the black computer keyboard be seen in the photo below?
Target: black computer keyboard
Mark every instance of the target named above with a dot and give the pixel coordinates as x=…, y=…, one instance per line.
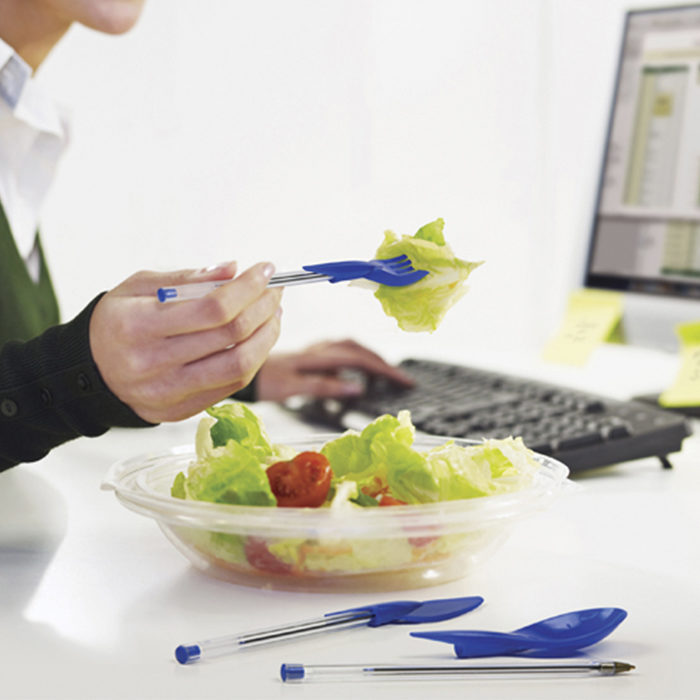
x=582, y=430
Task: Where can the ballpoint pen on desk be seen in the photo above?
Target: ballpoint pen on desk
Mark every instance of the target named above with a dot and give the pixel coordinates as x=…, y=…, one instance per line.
x=396, y=612
x=355, y=672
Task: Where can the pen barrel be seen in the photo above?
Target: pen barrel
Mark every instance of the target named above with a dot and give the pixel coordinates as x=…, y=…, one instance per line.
x=193, y=290
x=207, y=648
x=196, y=290
x=297, y=673
x=291, y=279
x=220, y=646
x=339, y=673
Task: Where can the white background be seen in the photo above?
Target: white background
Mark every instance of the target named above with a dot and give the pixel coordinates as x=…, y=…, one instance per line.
x=297, y=132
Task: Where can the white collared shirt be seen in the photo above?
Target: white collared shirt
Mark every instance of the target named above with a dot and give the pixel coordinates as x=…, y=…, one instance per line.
x=32, y=138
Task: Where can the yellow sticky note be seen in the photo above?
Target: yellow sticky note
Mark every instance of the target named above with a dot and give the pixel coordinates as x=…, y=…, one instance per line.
x=592, y=317
x=686, y=389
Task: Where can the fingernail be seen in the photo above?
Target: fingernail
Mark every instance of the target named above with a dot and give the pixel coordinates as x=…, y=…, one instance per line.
x=219, y=266
x=278, y=313
x=269, y=270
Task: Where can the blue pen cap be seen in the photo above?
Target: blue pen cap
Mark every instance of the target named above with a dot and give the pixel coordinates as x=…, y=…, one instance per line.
x=165, y=293
x=188, y=654
x=292, y=672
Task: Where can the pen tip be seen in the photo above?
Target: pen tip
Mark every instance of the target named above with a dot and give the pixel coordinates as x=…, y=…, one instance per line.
x=622, y=667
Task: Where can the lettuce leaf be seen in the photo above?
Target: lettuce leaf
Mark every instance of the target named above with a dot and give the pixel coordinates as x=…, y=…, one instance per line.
x=382, y=459
x=235, y=421
x=232, y=474
x=422, y=306
x=453, y=472
x=366, y=457
x=233, y=452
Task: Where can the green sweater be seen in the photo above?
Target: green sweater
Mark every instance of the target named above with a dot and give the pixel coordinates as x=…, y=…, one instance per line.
x=26, y=308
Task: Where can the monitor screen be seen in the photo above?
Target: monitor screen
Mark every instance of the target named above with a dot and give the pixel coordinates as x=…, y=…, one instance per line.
x=646, y=229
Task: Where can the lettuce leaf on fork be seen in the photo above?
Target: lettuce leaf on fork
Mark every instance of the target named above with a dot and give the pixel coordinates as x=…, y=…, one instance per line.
x=422, y=306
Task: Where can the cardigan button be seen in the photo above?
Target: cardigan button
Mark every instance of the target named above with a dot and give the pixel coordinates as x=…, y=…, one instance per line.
x=45, y=396
x=9, y=408
x=84, y=382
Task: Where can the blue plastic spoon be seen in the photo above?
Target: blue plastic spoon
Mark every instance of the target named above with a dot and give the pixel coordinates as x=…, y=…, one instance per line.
x=568, y=632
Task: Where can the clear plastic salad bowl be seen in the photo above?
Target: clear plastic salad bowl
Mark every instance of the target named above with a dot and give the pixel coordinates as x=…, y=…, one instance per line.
x=353, y=548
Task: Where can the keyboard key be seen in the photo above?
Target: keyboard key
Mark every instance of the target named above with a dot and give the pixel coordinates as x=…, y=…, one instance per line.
x=616, y=432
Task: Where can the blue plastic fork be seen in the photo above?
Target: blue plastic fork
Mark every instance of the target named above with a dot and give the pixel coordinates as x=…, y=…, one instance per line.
x=393, y=272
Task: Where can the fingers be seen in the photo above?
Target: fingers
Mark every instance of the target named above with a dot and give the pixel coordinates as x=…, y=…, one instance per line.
x=168, y=361
x=189, y=347
x=150, y=318
x=146, y=283
x=318, y=371
x=319, y=386
x=189, y=389
x=217, y=308
x=347, y=354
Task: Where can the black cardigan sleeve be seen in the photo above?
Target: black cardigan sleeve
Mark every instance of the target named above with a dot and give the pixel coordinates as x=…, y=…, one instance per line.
x=51, y=391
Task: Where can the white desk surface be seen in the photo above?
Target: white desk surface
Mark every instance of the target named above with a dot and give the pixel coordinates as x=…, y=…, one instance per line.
x=94, y=599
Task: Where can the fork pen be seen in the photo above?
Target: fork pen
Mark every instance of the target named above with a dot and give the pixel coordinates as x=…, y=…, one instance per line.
x=394, y=272
x=404, y=612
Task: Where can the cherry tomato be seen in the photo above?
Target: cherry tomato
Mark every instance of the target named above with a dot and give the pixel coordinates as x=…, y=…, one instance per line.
x=302, y=481
x=260, y=557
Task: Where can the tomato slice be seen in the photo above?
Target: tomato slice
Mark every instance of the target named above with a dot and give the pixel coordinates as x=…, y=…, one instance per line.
x=301, y=482
x=421, y=541
x=385, y=500
x=261, y=558
x=375, y=488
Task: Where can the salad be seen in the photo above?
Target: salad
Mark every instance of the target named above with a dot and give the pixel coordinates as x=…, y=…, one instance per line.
x=236, y=463
x=422, y=306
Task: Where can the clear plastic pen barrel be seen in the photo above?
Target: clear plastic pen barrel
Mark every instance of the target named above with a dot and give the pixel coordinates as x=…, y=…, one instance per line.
x=219, y=646
x=291, y=672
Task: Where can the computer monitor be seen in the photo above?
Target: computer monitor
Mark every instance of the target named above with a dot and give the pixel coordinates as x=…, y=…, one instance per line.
x=645, y=239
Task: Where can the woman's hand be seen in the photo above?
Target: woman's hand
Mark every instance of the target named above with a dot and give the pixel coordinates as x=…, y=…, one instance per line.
x=170, y=361
x=317, y=371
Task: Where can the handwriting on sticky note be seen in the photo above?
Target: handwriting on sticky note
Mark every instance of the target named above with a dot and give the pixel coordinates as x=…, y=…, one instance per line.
x=685, y=391
x=592, y=317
